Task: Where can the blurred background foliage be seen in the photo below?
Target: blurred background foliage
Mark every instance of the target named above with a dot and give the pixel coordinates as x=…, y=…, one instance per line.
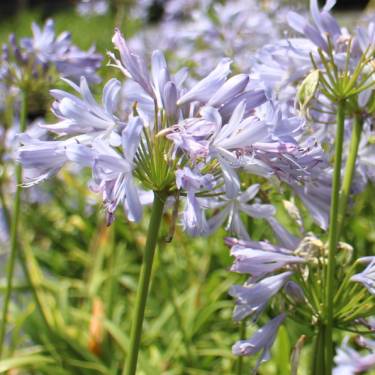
x=71, y=306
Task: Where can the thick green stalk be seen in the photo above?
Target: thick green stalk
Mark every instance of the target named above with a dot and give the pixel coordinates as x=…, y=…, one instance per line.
x=349, y=170
x=333, y=238
x=144, y=283
x=13, y=231
x=318, y=354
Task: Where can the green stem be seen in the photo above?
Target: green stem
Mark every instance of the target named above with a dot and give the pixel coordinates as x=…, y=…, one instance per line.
x=242, y=337
x=333, y=238
x=4, y=204
x=13, y=231
x=144, y=283
x=349, y=170
x=318, y=355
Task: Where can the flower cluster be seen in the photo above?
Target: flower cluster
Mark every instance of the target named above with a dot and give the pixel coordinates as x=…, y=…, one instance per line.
x=29, y=67
x=34, y=56
x=325, y=67
x=218, y=147
x=193, y=141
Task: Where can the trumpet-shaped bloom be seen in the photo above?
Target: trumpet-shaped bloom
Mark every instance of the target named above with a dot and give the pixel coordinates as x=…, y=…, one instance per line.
x=252, y=299
x=258, y=262
x=262, y=340
x=84, y=116
x=209, y=85
x=43, y=159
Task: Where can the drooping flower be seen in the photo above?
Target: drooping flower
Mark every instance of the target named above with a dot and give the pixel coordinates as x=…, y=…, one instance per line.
x=41, y=159
x=262, y=340
x=258, y=263
x=252, y=298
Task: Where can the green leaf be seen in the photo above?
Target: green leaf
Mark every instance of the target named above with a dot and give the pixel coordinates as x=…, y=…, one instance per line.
x=23, y=361
x=282, y=352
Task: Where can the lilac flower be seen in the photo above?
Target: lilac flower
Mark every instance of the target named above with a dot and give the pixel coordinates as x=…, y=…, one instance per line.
x=258, y=245
x=85, y=117
x=192, y=182
x=112, y=173
x=259, y=262
x=316, y=196
x=279, y=65
x=324, y=24
x=253, y=298
x=230, y=89
x=367, y=276
x=242, y=142
x=209, y=85
x=262, y=340
x=350, y=362
x=232, y=206
x=132, y=65
x=223, y=31
x=41, y=159
x=366, y=37
x=59, y=51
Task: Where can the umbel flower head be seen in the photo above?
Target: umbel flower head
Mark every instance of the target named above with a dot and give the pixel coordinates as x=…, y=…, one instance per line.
x=43, y=55
x=193, y=141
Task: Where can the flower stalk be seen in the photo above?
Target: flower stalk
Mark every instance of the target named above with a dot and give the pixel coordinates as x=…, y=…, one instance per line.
x=349, y=170
x=333, y=237
x=13, y=231
x=318, y=355
x=144, y=283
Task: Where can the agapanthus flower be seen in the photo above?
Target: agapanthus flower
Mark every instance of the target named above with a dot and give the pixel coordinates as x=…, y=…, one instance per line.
x=46, y=48
x=252, y=298
x=323, y=24
x=262, y=340
x=112, y=172
x=350, y=362
x=367, y=276
x=192, y=181
x=41, y=159
x=81, y=122
x=84, y=116
x=259, y=262
x=232, y=204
